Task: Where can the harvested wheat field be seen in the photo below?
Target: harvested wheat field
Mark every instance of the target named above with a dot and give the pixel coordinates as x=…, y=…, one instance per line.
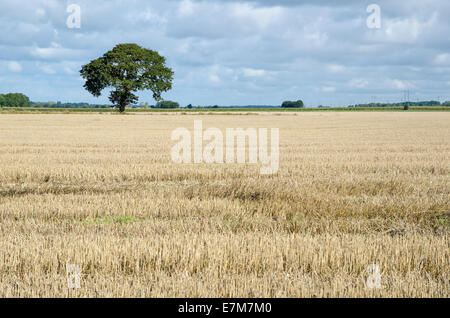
x=354, y=191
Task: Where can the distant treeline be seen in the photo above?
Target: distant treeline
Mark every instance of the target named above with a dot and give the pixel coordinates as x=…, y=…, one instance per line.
x=14, y=100
x=166, y=104
x=422, y=103
x=66, y=105
x=289, y=104
x=21, y=100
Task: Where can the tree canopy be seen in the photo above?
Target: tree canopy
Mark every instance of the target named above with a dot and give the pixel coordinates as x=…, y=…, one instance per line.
x=128, y=68
x=14, y=100
x=167, y=104
x=289, y=104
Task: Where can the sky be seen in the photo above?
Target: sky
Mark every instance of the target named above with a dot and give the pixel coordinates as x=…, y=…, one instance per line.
x=227, y=52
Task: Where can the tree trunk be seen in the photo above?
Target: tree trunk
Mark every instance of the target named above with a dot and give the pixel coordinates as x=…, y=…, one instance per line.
x=123, y=101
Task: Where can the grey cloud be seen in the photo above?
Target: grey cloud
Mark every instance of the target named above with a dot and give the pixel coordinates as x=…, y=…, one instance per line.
x=236, y=52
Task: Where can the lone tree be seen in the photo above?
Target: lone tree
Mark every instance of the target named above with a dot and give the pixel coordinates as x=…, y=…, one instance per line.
x=127, y=68
x=289, y=104
x=167, y=104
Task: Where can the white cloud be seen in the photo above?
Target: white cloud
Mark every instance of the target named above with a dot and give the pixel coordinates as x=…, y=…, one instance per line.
x=442, y=59
x=69, y=71
x=334, y=68
x=149, y=17
x=47, y=69
x=186, y=8
x=398, y=84
x=183, y=48
x=316, y=37
x=328, y=89
x=48, y=52
x=262, y=17
x=55, y=52
x=250, y=72
x=408, y=29
x=358, y=83
x=40, y=13
x=238, y=51
x=14, y=66
x=403, y=31
x=213, y=78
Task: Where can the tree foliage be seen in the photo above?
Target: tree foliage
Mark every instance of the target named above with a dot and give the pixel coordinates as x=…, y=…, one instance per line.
x=289, y=104
x=167, y=104
x=14, y=100
x=402, y=104
x=128, y=68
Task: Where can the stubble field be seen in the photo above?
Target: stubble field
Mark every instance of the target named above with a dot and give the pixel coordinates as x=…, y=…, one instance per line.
x=100, y=191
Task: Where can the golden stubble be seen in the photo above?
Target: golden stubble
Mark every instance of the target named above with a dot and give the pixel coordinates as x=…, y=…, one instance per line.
x=100, y=191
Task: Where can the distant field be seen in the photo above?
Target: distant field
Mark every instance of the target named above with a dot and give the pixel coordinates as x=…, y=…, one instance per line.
x=100, y=191
x=220, y=110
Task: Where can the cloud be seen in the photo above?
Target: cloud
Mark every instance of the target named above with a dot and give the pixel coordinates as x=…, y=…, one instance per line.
x=250, y=72
x=358, y=83
x=442, y=59
x=235, y=51
x=336, y=68
x=47, y=69
x=15, y=67
x=186, y=8
x=213, y=78
x=403, y=31
x=40, y=13
x=398, y=84
x=328, y=89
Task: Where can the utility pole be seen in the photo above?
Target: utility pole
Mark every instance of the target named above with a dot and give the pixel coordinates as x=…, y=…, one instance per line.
x=406, y=96
x=373, y=99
